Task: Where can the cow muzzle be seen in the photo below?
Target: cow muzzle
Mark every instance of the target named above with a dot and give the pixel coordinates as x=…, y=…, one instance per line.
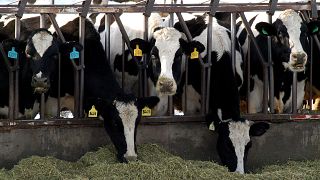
x=297, y=61
x=130, y=158
x=166, y=86
x=40, y=85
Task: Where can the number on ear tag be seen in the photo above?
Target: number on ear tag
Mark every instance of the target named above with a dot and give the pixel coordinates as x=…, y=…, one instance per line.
x=74, y=54
x=194, y=54
x=146, y=111
x=93, y=112
x=137, y=52
x=13, y=54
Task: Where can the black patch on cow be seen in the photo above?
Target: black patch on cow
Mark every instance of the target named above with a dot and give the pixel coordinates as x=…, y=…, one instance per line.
x=130, y=66
x=196, y=26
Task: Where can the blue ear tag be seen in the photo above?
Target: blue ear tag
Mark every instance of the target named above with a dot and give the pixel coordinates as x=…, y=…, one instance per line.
x=264, y=32
x=13, y=54
x=74, y=54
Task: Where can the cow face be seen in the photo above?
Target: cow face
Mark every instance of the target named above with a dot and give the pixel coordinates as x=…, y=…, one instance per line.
x=42, y=52
x=234, y=141
x=289, y=40
x=121, y=119
x=166, y=60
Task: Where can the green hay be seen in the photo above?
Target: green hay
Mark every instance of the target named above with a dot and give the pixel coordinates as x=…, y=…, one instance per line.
x=153, y=163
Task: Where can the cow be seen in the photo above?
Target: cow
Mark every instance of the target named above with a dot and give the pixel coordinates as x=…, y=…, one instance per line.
x=26, y=98
x=121, y=112
x=234, y=140
x=225, y=81
x=290, y=53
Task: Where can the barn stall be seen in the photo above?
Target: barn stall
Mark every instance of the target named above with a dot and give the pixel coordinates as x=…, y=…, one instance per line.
x=291, y=136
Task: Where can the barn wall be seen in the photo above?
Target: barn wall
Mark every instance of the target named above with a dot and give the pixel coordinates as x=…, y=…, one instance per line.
x=295, y=141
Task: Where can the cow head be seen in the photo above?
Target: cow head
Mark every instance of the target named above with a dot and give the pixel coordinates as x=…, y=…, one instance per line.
x=42, y=52
x=166, y=60
x=289, y=40
x=234, y=141
x=121, y=118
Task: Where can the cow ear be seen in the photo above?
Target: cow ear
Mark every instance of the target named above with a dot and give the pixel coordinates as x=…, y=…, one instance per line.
x=189, y=47
x=151, y=102
x=266, y=29
x=258, y=129
x=313, y=27
x=213, y=121
x=141, y=44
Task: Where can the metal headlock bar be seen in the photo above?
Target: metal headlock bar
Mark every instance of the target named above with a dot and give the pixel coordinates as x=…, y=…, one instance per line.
x=272, y=9
x=147, y=9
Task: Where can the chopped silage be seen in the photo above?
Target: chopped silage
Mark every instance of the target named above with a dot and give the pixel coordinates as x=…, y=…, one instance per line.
x=154, y=163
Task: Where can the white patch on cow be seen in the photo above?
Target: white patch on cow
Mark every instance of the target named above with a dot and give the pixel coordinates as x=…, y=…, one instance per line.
x=4, y=111
x=39, y=75
x=219, y=112
x=255, y=100
x=239, y=136
x=128, y=113
x=167, y=42
x=239, y=70
x=42, y=41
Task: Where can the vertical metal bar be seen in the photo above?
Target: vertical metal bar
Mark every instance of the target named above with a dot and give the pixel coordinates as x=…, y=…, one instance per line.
x=248, y=73
x=42, y=106
x=170, y=100
x=310, y=75
x=145, y=80
x=81, y=40
x=171, y=17
x=42, y=21
x=233, y=40
x=107, y=36
x=294, y=93
x=11, y=95
x=76, y=93
x=209, y=49
x=170, y=107
x=203, y=90
x=16, y=64
x=122, y=68
x=265, y=89
x=271, y=76
x=59, y=87
x=185, y=98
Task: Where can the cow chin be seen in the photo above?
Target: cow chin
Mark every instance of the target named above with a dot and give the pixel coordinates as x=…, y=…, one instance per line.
x=41, y=89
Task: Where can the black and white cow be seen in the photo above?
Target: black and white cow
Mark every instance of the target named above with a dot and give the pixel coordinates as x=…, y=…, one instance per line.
x=234, y=140
x=290, y=53
x=225, y=84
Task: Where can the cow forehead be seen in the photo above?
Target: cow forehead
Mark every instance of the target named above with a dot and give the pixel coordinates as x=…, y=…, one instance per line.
x=167, y=41
x=128, y=112
x=42, y=41
x=239, y=132
x=292, y=21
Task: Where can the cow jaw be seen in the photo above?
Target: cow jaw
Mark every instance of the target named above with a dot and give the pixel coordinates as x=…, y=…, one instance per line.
x=239, y=136
x=128, y=113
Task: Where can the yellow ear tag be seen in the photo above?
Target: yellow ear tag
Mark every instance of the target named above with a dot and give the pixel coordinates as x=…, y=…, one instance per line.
x=137, y=52
x=146, y=111
x=93, y=112
x=194, y=54
x=211, y=127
